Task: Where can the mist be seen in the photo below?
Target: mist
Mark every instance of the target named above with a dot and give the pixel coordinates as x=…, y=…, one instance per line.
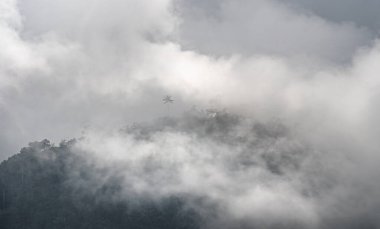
x=275, y=115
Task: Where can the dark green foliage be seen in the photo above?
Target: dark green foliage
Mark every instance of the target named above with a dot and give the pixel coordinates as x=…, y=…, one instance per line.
x=35, y=194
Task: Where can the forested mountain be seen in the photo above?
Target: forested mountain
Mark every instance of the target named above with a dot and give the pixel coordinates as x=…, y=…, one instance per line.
x=35, y=194
x=48, y=186
x=205, y=169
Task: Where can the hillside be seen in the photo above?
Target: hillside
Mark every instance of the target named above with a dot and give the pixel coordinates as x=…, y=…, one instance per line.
x=35, y=194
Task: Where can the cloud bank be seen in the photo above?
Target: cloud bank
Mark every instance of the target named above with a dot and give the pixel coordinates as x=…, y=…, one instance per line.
x=235, y=172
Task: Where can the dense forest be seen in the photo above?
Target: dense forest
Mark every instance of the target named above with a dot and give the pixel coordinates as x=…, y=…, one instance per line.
x=35, y=195
x=37, y=190
x=200, y=170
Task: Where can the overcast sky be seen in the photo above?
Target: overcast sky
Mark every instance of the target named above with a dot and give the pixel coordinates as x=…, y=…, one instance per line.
x=66, y=65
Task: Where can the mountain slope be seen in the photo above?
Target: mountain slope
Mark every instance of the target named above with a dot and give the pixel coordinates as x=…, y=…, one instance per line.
x=35, y=194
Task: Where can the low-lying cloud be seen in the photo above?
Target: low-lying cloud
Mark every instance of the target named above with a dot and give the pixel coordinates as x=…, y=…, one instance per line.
x=247, y=174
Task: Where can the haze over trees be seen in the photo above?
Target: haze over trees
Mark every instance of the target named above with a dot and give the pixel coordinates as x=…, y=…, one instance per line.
x=66, y=186
x=36, y=195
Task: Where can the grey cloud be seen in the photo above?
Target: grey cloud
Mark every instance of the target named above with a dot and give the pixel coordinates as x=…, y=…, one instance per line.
x=361, y=13
x=269, y=28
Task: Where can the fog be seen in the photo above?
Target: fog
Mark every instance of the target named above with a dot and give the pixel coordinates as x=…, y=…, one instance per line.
x=90, y=68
